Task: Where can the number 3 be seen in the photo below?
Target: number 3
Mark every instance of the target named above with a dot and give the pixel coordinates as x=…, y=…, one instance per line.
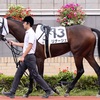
x=62, y=33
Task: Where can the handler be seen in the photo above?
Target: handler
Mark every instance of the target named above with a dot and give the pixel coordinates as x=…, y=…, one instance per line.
x=28, y=60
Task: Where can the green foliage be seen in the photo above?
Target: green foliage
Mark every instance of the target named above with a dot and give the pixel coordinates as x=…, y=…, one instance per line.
x=65, y=76
x=84, y=83
x=52, y=80
x=5, y=82
x=62, y=76
x=78, y=92
x=87, y=82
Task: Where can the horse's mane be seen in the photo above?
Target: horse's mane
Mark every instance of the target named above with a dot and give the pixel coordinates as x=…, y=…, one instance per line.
x=10, y=18
x=19, y=22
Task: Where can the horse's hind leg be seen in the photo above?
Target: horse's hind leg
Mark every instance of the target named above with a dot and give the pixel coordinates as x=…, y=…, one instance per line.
x=95, y=66
x=80, y=71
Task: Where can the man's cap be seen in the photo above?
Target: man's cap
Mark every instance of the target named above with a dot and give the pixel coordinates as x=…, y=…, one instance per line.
x=28, y=19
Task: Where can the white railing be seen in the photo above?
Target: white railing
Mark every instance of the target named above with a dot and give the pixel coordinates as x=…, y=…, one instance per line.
x=53, y=11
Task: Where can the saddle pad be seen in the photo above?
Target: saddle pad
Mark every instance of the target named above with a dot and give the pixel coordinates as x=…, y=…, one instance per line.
x=56, y=35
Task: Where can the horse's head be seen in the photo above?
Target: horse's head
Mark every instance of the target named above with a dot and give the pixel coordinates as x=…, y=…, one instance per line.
x=4, y=30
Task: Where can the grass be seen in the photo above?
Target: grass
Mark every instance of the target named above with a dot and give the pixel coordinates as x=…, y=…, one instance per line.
x=78, y=92
x=74, y=92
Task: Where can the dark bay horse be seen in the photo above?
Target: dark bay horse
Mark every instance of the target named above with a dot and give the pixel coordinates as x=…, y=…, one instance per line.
x=81, y=42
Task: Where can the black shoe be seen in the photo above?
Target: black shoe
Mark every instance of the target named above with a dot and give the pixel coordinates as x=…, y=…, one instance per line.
x=9, y=94
x=49, y=93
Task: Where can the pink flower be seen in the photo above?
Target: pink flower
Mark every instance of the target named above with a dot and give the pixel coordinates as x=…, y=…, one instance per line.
x=58, y=20
x=75, y=13
x=64, y=18
x=71, y=14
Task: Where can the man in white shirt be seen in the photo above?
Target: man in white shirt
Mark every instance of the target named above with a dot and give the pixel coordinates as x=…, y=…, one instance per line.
x=28, y=60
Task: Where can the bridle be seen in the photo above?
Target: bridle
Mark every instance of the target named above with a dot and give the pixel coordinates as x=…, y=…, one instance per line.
x=2, y=25
x=1, y=29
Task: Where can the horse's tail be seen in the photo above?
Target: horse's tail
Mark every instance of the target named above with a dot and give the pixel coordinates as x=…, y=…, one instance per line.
x=98, y=34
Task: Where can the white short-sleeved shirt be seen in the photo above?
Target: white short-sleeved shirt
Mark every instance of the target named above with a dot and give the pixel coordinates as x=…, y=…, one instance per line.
x=30, y=38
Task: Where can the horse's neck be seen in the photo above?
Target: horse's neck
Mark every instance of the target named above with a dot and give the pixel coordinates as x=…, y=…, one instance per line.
x=16, y=30
x=34, y=27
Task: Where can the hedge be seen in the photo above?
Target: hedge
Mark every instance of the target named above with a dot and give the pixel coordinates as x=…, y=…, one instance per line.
x=63, y=78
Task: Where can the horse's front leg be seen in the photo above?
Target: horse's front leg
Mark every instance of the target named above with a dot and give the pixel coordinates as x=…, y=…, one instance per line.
x=40, y=65
x=80, y=71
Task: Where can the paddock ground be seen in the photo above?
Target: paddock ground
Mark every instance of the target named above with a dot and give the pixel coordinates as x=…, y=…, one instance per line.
x=52, y=98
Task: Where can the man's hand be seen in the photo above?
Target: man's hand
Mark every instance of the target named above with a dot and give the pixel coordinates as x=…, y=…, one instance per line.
x=21, y=59
x=11, y=42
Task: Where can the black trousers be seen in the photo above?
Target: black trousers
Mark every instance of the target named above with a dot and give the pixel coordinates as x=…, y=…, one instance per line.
x=30, y=64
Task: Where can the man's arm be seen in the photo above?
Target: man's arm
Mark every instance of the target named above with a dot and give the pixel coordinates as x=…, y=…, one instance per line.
x=17, y=43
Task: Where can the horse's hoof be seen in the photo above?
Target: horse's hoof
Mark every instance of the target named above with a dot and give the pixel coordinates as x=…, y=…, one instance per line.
x=66, y=95
x=25, y=96
x=98, y=95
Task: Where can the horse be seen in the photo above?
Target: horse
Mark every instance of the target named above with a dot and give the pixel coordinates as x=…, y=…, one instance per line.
x=81, y=42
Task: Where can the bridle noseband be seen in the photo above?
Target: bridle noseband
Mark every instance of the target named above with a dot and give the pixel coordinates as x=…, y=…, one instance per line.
x=1, y=28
